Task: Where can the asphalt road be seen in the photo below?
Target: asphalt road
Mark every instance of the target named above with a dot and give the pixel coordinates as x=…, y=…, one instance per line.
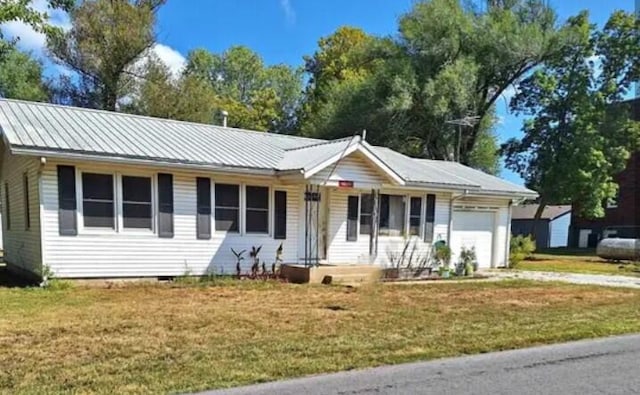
x=602, y=366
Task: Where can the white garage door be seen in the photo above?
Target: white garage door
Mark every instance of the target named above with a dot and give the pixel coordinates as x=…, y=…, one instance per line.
x=473, y=229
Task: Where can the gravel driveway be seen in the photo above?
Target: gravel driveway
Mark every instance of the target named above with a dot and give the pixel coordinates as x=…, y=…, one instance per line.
x=574, y=278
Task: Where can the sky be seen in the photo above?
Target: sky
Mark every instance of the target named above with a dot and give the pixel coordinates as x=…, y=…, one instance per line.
x=283, y=31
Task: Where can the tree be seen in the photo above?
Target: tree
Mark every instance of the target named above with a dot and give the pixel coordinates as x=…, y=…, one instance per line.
x=106, y=38
x=160, y=94
x=255, y=96
x=579, y=134
x=20, y=10
x=449, y=61
x=21, y=77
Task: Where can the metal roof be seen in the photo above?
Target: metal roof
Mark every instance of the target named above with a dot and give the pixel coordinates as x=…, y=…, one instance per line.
x=528, y=211
x=48, y=129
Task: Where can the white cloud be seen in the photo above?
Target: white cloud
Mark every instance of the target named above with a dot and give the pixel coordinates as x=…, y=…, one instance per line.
x=29, y=39
x=289, y=12
x=170, y=57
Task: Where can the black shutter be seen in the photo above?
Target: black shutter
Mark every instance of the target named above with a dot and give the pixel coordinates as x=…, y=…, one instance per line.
x=280, y=215
x=203, y=220
x=430, y=218
x=165, y=205
x=352, y=218
x=67, y=222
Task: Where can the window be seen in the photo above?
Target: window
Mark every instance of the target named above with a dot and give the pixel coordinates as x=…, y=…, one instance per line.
x=392, y=212
x=415, y=216
x=352, y=218
x=257, y=210
x=136, y=202
x=97, y=200
x=25, y=195
x=7, y=206
x=203, y=217
x=227, y=207
x=280, y=215
x=366, y=211
x=430, y=218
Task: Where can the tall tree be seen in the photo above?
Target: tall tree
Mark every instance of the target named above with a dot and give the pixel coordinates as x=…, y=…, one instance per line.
x=161, y=94
x=106, y=38
x=21, y=76
x=450, y=61
x=22, y=10
x=256, y=96
x=579, y=134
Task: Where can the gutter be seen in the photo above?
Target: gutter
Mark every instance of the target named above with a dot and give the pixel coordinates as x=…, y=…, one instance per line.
x=450, y=228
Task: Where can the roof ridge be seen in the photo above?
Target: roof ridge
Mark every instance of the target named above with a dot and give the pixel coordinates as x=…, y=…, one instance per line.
x=322, y=142
x=124, y=114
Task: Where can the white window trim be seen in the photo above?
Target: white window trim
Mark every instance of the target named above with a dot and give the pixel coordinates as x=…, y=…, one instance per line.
x=120, y=203
x=270, y=210
x=422, y=215
x=240, y=231
x=80, y=204
x=118, y=227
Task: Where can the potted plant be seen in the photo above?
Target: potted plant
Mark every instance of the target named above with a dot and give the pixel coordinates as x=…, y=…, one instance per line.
x=468, y=261
x=443, y=257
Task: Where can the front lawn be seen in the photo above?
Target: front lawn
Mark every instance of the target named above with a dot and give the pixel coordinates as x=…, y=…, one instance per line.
x=570, y=261
x=174, y=338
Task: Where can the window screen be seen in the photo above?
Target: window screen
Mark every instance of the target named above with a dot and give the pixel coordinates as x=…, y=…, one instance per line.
x=136, y=202
x=257, y=210
x=280, y=215
x=97, y=200
x=227, y=207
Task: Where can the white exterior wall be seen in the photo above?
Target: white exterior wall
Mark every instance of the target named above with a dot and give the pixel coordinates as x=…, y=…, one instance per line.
x=341, y=251
x=22, y=247
x=351, y=168
x=559, y=231
x=110, y=254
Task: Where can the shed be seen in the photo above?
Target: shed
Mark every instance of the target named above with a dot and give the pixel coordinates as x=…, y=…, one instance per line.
x=552, y=229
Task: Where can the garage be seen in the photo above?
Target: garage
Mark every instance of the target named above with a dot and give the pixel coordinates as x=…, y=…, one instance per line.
x=473, y=229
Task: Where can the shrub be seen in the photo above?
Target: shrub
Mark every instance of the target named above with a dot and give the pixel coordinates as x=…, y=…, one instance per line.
x=521, y=247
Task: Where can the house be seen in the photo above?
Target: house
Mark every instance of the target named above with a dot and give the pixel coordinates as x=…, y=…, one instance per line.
x=552, y=229
x=622, y=215
x=96, y=194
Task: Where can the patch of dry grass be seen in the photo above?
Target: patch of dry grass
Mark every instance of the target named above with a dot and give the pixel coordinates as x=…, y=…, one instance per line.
x=168, y=338
x=578, y=264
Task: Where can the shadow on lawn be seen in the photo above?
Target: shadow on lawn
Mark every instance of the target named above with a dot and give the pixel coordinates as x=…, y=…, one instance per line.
x=10, y=280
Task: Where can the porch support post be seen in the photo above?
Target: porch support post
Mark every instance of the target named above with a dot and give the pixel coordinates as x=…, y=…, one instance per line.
x=375, y=213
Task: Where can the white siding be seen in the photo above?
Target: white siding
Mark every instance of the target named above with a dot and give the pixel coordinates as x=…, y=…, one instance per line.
x=22, y=247
x=352, y=252
x=354, y=167
x=559, y=231
x=111, y=254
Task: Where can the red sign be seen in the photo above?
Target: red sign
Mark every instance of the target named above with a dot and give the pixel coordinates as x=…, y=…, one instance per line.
x=345, y=184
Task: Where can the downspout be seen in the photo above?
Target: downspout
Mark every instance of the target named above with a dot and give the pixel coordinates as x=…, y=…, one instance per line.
x=41, y=216
x=453, y=199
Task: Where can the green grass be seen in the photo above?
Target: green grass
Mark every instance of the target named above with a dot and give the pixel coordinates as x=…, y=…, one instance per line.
x=566, y=262
x=178, y=337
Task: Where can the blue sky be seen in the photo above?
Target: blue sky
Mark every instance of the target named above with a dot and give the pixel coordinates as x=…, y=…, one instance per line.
x=283, y=31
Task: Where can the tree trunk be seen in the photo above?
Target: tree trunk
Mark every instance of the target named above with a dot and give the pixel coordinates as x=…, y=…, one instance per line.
x=537, y=216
